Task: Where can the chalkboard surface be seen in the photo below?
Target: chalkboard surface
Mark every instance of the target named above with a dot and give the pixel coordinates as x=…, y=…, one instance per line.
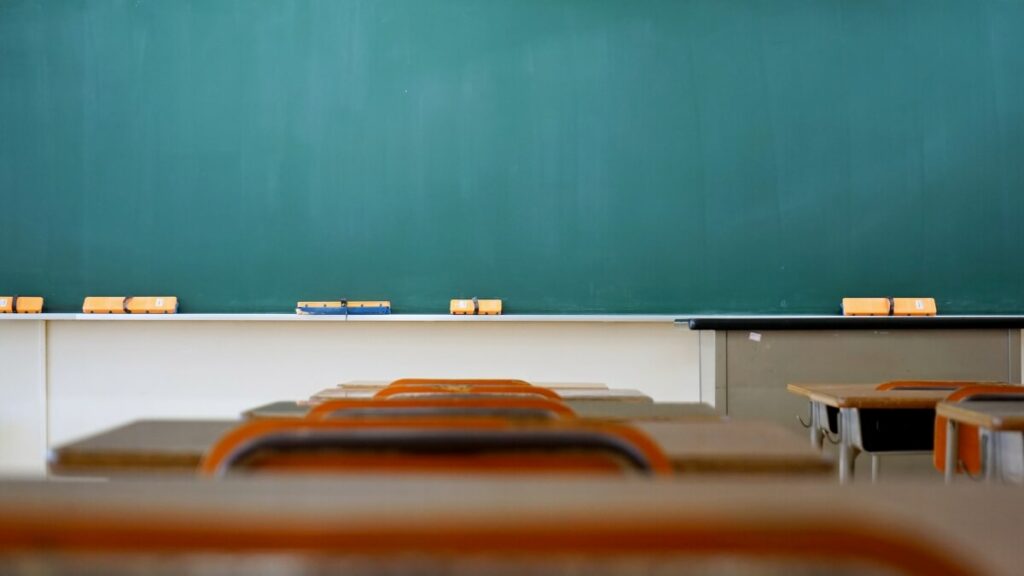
x=565, y=155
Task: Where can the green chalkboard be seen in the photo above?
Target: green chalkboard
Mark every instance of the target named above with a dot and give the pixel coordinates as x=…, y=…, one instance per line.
x=566, y=155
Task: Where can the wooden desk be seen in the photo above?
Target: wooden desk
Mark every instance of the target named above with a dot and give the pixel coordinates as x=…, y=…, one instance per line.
x=611, y=411
x=379, y=384
x=700, y=446
x=140, y=447
x=866, y=396
x=734, y=447
x=993, y=416
x=593, y=394
x=646, y=411
x=978, y=525
x=849, y=400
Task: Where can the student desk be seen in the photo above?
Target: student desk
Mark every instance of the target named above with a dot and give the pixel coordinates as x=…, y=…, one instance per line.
x=977, y=526
x=993, y=417
x=611, y=411
x=140, y=447
x=734, y=447
x=698, y=446
x=851, y=401
x=379, y=384
x=594, y=394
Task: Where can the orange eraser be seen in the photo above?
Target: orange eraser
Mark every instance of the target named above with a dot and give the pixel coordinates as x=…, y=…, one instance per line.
x=21, y=304
x=914, y=307
x=866, y=307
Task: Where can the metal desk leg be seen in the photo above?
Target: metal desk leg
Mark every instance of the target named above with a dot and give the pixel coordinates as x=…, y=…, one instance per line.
x=847, y=451
x=844, y=461
x=988, y=455
x=817, y=434
x=876, y=467
x=952, y=450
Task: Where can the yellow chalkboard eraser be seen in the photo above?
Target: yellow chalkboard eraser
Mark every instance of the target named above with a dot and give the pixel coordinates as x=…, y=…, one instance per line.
x=21, y=304
x=104, y=305
x=475, y=306
x=866, y=307
x=130, y=305
x=914, y=307
x=151, y=304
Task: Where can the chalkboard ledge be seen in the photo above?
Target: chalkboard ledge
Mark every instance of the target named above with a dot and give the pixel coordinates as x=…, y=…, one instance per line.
x=836, y=322
x=645, y=318
x=723, y=322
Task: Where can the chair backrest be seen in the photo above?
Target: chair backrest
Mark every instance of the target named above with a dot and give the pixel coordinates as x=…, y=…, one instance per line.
x=969, y=453
x=446, y=445
x=460, y=381
x=434, y=390
x=930, y=384
x=447, y=407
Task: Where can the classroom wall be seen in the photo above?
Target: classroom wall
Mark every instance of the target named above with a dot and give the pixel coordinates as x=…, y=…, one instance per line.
x=106, y=372
x=758, y=365
x=22, y=397
x=63, y=379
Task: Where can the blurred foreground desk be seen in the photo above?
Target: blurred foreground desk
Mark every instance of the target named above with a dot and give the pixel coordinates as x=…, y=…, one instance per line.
x=735, y=447
x=698, y=446
x=597, y=526
x=143, y=446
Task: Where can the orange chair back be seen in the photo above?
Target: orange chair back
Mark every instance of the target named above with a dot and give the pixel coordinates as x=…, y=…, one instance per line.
x=412, y=391
x=969, y=454
x=447, y=445
x=494, y=406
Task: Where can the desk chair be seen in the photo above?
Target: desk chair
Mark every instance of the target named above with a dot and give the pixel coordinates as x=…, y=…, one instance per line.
x=968, y=452
x=887, y=428
x=439, y=445
x=487, y=406
x=832, y=413
x=443, y=390
x=909, y=431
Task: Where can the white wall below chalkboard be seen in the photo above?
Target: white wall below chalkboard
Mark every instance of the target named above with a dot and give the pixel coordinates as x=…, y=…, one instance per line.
x=102, y=374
